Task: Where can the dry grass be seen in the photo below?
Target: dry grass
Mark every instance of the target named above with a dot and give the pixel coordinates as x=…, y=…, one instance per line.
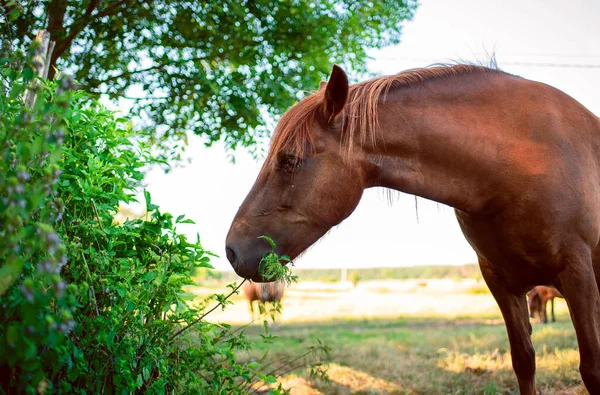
x=413, y=338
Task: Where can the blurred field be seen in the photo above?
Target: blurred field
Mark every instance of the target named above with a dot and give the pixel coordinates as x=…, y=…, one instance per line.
x=407, y=336
x=382, y=273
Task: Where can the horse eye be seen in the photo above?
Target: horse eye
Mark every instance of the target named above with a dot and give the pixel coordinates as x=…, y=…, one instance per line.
x=289, y=163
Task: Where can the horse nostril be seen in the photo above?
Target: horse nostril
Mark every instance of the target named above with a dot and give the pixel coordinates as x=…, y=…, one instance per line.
x=231, y=256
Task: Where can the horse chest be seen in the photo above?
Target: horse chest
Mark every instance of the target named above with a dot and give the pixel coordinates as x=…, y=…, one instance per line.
x=522, y=254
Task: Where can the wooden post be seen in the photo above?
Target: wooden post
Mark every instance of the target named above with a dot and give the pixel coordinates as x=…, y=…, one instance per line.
x=42, y=60
x=11, y=270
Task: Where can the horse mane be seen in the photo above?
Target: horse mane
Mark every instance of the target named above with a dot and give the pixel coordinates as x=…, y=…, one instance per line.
x=293, y=132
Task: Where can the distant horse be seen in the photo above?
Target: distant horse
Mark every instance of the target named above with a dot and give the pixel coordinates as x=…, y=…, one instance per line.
x=517, y=159
x=538, y=299
x=263, y=293
x=534, y=302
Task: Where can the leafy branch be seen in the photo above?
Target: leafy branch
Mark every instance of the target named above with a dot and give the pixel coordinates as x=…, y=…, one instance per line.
x=273, y=267
x=288, y=366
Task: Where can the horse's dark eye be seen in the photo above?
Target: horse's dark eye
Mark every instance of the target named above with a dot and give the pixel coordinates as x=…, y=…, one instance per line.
x=289, y=163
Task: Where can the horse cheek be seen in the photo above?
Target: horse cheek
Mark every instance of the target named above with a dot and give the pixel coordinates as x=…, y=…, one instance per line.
x=341, y=199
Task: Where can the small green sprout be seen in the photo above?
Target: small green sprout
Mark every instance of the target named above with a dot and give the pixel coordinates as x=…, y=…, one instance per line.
x=273, y=267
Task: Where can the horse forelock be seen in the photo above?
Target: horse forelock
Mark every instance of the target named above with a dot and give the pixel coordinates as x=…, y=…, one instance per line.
x=293, y=134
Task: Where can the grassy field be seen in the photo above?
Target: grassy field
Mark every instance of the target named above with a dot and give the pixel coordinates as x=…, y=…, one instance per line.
x=426, y=355
x=407, y=336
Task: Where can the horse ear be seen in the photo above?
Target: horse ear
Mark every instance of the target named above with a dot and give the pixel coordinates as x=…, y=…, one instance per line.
x=322, y=85
x=336, y=92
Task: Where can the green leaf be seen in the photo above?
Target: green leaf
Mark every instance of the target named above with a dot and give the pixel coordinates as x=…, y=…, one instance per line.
x=27, y=74
x=146, y=373
x=176, y=278
x=12, y=335
x=149, y=206
x=14, y=15
x=269, y=240
x=205, y=264
x=120, y=291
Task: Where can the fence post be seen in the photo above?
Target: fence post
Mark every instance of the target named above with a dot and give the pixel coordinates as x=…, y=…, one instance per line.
x=42, y=61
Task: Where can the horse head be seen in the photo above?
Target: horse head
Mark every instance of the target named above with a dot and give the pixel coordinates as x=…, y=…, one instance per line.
x=307, y=185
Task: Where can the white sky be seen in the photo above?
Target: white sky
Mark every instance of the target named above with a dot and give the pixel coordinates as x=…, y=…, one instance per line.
x=210, y=189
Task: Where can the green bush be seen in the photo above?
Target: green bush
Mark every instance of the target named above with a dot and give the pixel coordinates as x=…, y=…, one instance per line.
x=35, y=304
x=121, y=322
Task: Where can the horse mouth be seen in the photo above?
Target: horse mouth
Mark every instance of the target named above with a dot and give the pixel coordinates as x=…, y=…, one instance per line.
x=257, y=278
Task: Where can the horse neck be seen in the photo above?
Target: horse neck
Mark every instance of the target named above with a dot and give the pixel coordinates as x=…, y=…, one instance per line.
x=430, y=143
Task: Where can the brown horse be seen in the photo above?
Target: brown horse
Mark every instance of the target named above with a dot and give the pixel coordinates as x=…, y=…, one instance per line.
x=263, y=293
x=538, y=299
x=518, y=160
x=534, y=302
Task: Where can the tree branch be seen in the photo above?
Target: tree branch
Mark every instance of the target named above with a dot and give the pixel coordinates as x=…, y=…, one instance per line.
x=23, y=28
x=56, y=10
x=159, y=66
x=112, y=9
x=64, y=44
x=77, y=26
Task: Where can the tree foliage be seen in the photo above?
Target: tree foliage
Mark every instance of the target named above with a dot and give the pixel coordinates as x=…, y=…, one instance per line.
x=218, y=68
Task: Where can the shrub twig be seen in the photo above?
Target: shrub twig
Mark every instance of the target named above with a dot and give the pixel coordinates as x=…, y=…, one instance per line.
x=220, y=303
x=89, y=274
x=97, y=215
